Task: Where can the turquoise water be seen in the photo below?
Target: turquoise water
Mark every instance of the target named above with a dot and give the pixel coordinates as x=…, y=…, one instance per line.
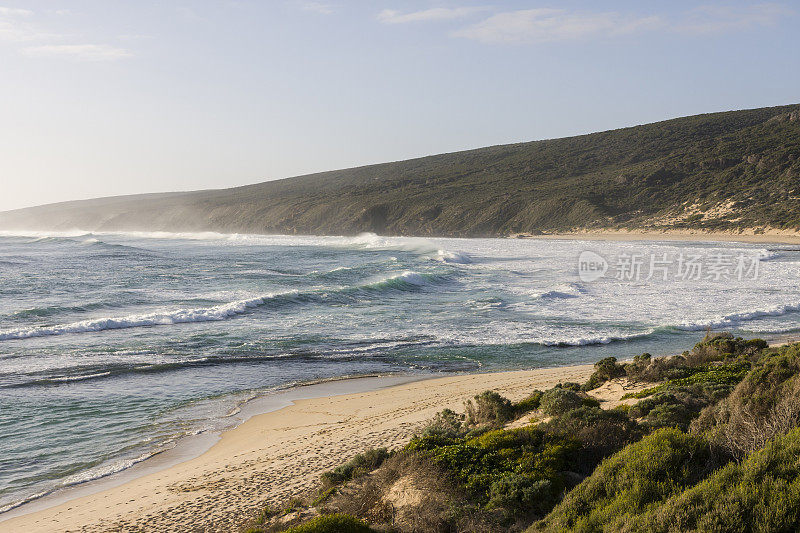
x=114, y=345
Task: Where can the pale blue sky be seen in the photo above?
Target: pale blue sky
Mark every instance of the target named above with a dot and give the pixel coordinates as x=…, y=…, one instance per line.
x=101, y=97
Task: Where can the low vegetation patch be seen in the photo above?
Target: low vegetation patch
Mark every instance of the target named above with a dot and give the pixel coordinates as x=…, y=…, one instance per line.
x=357, y=466
x=332, y=523
x=658, y=466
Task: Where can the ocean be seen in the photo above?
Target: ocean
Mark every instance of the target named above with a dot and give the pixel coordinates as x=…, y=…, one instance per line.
x=115, y=345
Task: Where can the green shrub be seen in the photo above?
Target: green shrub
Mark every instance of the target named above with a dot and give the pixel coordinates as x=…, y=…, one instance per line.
x=669, y=415
x=490, y=466
x=669, y=409
x=521, y=494
x=723, y=346
x=652, y=369
x=332, y=523
x=446, y=423
x=765, y=404
x=605, y=369
x=489, y=408
x=600, y=432
x=355, y=467
x=557, y=401
x=760, y=494
x=530, y=403
x=630, y=482
x=714, y=381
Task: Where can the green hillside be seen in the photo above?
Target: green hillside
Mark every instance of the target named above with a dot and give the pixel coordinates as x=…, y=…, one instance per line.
x=722, y=172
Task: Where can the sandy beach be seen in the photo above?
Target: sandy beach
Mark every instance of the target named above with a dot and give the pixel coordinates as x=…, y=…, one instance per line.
x=767, y=236
x=275, y=455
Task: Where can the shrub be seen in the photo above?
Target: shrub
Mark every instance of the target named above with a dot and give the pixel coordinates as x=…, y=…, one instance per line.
x=628, y=483
x=557, y=401
x=332, y=523
x=521, y=494
x=713, y=382
x=675, y=415
x=600, y=433
x=762, y=493
x=722, y=346
x=764, y=405
x=675, y=408
x=408, y=491
x=605, y=369
x=489, y=408
x=530, y=403
x=447, y=423
x=357, y=466
x=652, y=369
x=502, y=459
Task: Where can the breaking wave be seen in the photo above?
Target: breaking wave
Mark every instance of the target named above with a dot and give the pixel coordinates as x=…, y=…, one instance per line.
x=404, y=281
x=735, y=319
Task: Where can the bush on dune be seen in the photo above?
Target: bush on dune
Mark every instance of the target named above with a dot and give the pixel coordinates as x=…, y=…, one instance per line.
x=408, y=491
x=604, y=370
x=558, y=401
x=599, y=432
x=489, y=408
x=521, y=473
x=668, y=409
x=648, y=369
x=765, y=404
x=530, y=403
x=627, y=483
x=507, y=474
x=446, y=424
x=722, y=346
x=761, y=494
x=357, y=466
x=714, y=348
x=333, y=523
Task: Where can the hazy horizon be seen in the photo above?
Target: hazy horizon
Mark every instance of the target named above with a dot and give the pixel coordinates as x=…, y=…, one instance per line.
x=104, y=100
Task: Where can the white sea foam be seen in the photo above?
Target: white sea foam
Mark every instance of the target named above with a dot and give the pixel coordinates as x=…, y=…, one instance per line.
x=736, y=319
x=401, y=280
x=766, y=255
x=446, y=256
x=80, y=377
x=177, y=316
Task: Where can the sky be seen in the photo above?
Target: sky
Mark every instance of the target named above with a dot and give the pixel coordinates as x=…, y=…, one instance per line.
x=105, y=97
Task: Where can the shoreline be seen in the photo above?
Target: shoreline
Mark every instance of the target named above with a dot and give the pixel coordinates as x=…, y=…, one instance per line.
x=191, y=446
x=751, y=235
x=272, y=455
x=748, y=236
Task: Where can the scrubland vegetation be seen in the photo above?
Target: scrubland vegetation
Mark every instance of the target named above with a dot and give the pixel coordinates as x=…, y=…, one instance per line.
x=712, y=443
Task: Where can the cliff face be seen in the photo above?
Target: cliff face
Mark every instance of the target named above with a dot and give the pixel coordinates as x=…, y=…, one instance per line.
x=721, y=172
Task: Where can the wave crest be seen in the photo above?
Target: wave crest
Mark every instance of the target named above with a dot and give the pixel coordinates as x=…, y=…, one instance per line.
x=735, y=319
x=405, y=281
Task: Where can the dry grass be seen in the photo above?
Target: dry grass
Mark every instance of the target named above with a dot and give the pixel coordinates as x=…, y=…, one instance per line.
x=407, y=493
